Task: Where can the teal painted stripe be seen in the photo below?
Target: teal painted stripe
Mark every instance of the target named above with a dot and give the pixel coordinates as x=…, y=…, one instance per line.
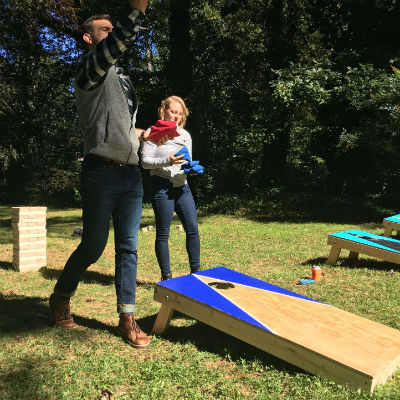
x=349, y=235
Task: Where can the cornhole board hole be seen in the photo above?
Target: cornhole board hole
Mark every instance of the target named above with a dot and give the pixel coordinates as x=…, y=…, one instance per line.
x=357, y=242
x=314, y=336
x=391, y=224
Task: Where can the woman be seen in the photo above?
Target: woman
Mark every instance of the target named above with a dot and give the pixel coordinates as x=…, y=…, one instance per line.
x=169, y=189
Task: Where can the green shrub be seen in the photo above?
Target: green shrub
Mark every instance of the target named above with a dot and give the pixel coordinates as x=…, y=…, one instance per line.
x=341, y=127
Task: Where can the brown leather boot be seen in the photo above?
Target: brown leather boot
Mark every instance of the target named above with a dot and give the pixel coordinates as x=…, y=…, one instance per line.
x=60, y=311
x=165, y=277
x=130, y=331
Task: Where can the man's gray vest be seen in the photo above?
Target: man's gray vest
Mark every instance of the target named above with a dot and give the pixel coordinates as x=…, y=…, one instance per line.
x=106, y=125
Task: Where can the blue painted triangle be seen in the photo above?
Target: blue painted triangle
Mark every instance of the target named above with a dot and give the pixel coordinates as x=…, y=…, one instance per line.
x=192, y=287
x=229, y=275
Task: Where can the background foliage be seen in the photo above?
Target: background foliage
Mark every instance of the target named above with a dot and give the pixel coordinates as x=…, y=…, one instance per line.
x=289, y=95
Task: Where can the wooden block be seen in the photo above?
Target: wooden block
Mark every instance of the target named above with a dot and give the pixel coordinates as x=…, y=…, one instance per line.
x=29, y=247
x=23, y=218
x=316, y=337
x=32, y=252
x=34, y=258
x=29, y=237
x=30, y=259
x=28, y=266
x=29, y=234
x=364, y=243
x=28, y=210
x=25, y=245
x=28, y=242
x=391, y=224
x=25, y=266
x=28, y=217
x=28, y=223
x=28, y=230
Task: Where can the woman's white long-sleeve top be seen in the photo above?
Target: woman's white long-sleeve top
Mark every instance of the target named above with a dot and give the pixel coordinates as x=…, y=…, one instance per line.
x=156, y=158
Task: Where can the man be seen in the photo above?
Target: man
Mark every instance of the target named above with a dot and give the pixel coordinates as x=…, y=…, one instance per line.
x=110, y=179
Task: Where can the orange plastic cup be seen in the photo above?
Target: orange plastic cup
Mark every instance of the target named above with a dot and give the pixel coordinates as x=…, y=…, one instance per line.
x=316, y=273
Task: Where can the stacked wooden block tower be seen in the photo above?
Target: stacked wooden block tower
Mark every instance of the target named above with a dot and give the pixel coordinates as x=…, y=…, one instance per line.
x=29, y=238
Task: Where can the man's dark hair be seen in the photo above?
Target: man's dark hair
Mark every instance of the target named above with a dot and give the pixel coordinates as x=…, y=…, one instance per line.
x=87, y=25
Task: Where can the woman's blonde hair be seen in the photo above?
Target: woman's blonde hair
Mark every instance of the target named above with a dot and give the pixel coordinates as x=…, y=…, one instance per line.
x=165, y=105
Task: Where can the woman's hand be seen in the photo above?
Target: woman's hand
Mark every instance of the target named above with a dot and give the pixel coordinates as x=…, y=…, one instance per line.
x=161, y=141
x=175, y=160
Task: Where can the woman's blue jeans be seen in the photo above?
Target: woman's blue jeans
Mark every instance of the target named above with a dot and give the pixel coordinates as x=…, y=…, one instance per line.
x=166, y=200
x=108, y=190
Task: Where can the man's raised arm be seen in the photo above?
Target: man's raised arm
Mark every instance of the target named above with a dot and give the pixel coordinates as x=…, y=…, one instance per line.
x=93, y=66
x=141, y=5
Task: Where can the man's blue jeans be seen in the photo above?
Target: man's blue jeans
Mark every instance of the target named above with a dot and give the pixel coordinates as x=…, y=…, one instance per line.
x=108, y=190
x=165, y=200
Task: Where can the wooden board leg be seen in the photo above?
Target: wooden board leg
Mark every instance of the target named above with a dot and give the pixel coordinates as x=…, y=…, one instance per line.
x=333, y=255
x=353, y=255
x=163, y=318
x=388, y=231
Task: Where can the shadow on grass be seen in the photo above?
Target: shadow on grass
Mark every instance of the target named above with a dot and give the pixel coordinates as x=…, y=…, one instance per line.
x=378, y=265
x=94, y=324
x=26, y=314
x=372, y=264
x=88, y=277
x=23, y=314
x=93, y=277
x=209, y=339
x=315, y=261
x=23, y=317
x=6, y=265
x=5, y=223
x=146, y=324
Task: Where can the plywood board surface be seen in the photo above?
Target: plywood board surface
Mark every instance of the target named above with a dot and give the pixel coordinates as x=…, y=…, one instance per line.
x=367, y=347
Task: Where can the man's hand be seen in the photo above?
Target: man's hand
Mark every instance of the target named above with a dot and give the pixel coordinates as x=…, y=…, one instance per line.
x=144, y=135
x=141, y=5
x=139, y=133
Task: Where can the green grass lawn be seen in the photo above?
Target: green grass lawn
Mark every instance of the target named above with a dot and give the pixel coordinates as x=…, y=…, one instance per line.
x=191, y=360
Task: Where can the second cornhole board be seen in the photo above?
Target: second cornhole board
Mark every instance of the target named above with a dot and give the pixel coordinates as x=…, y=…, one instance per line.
x=360, y=242
x=391, y=224
x=313, y=336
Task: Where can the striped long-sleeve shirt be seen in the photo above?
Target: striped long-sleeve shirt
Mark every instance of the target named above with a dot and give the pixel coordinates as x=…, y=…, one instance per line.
x=93, y=66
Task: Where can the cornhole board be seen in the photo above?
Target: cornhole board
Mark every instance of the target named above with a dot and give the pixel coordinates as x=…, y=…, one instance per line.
x=311, y=335
x=391, y=224
x=357, y=242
